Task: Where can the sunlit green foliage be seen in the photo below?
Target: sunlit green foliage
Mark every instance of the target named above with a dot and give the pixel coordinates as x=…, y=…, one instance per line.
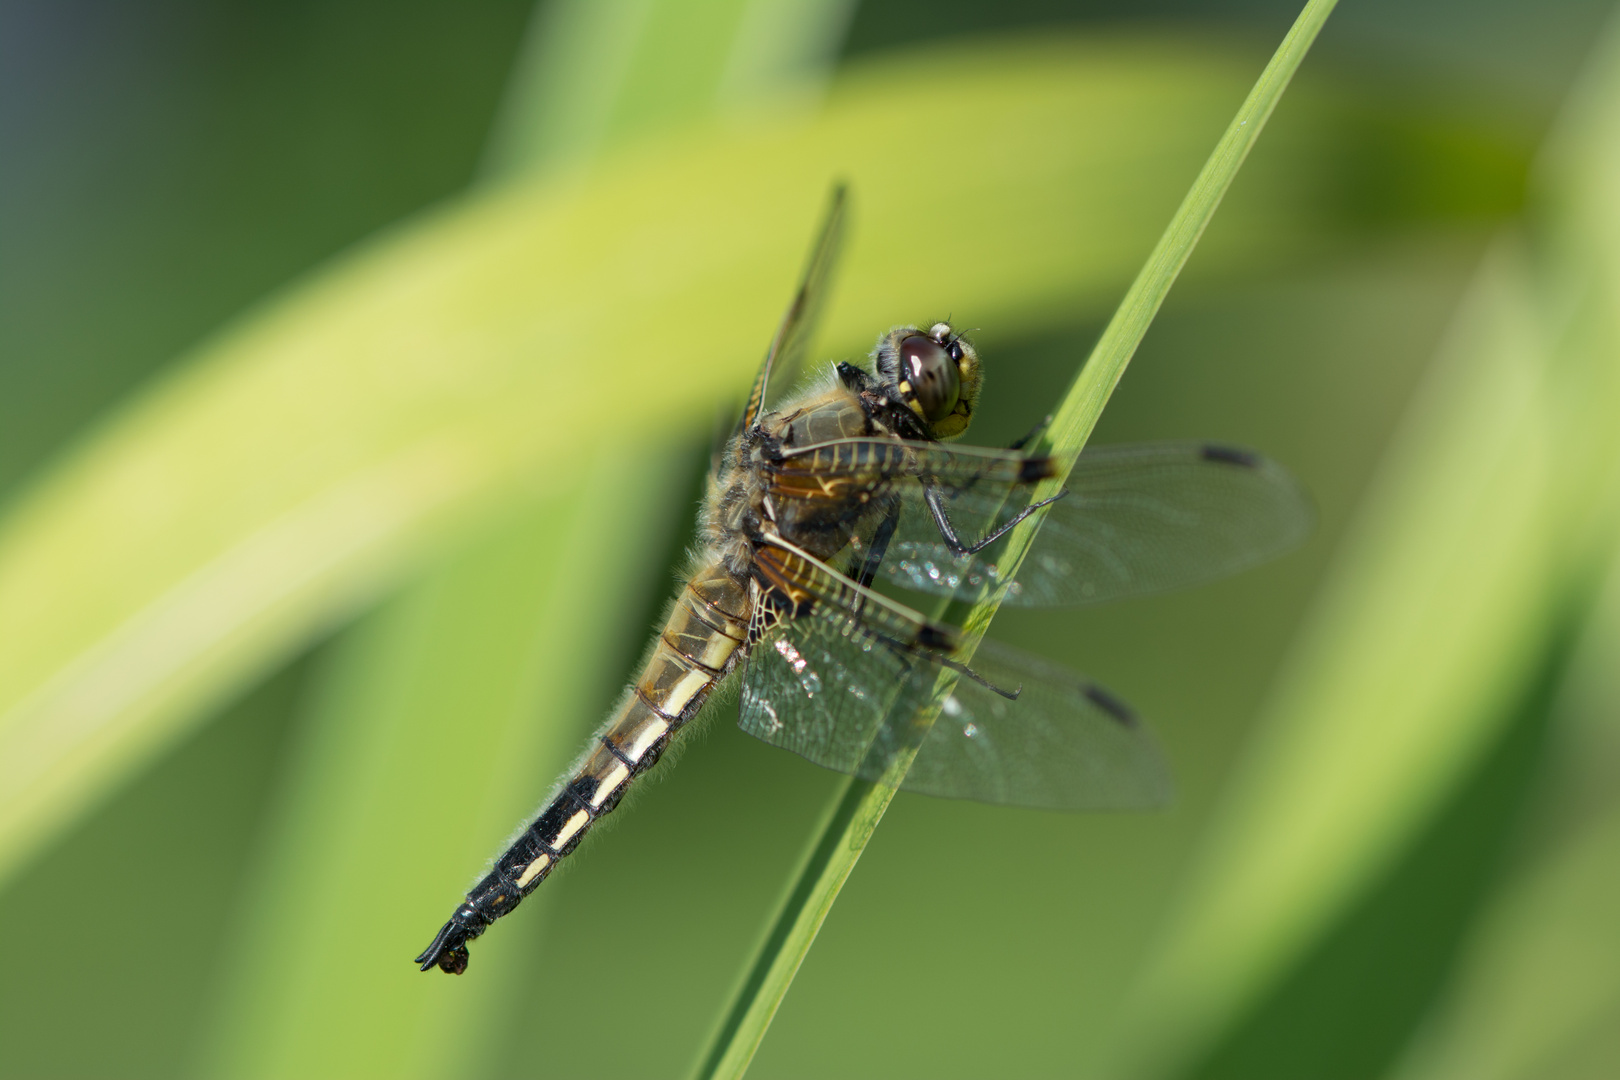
x=294, y=634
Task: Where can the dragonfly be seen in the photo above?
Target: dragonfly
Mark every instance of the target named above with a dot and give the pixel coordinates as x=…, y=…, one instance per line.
x=858, y=477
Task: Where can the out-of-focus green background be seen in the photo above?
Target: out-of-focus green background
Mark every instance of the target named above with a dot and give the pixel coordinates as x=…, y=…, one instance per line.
x=254, y=256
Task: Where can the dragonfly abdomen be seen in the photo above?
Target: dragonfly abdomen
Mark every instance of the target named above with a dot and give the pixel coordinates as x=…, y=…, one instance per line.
x=698, y=646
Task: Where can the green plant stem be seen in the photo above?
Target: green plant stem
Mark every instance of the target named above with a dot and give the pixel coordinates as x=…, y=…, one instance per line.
x=862, y=803
x=1077, y=414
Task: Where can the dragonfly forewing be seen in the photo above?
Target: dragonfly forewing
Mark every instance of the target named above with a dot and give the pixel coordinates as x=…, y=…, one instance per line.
x=799, y=322
x=1136, y=520
x=851, y=478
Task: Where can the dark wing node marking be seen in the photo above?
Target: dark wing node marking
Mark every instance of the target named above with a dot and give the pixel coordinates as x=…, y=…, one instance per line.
x=952, y=466
x=1110, y=704
x=1232, y=455
x=798, y=587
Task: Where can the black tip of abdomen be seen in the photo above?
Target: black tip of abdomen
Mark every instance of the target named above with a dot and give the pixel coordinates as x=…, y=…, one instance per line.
x=448, y=950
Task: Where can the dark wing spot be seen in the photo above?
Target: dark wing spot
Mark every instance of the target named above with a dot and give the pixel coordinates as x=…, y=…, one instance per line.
x=1109, y=704
x=1230, y=455
x=1037, y=468
x=936, y=637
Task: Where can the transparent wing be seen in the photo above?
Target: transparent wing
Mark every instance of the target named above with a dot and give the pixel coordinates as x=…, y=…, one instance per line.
x=847, y=699
x=799, y=322
x=957, y=467
x=1136, y=520
x=878, y=472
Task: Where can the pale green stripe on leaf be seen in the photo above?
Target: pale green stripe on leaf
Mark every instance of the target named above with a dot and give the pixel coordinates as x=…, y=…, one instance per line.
x=1537, y=992
x=434, y=727
x=1423, y=632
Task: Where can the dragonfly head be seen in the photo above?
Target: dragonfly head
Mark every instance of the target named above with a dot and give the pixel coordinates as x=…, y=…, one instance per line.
x=934, y=372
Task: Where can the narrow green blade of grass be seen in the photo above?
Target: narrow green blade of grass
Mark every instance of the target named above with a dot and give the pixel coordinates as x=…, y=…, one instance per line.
x=323, y=450
x=1077, y=414
x=1472, y=555
x=440, y=718
x=859, y=808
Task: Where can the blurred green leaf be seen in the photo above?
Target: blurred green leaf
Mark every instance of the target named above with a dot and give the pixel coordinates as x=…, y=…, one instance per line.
x=1539, y=994
x=441, y=718
x=434, y=726
x=306, y=461
x=1539, y=991
x=169, y=162
x=597, y=72
x=1389, y=693
x=1471, y=558
x=1340, y=154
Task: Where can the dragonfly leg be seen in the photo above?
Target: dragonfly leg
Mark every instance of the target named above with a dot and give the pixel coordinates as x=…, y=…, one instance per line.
x=878, y=548
x=905, y=652
x=936, y=506
x=963, y=669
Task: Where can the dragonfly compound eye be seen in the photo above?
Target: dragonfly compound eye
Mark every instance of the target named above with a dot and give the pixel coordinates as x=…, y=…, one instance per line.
x=931, y=374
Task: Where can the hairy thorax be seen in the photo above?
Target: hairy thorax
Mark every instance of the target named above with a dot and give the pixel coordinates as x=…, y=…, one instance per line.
x=740, y=509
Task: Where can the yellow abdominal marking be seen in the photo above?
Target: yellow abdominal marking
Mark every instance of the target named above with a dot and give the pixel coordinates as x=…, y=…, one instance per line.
x=570, y=827
x=684, y=691
x=608, y=783
x=650, y=733
x=533, y=871
x=717, y=651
